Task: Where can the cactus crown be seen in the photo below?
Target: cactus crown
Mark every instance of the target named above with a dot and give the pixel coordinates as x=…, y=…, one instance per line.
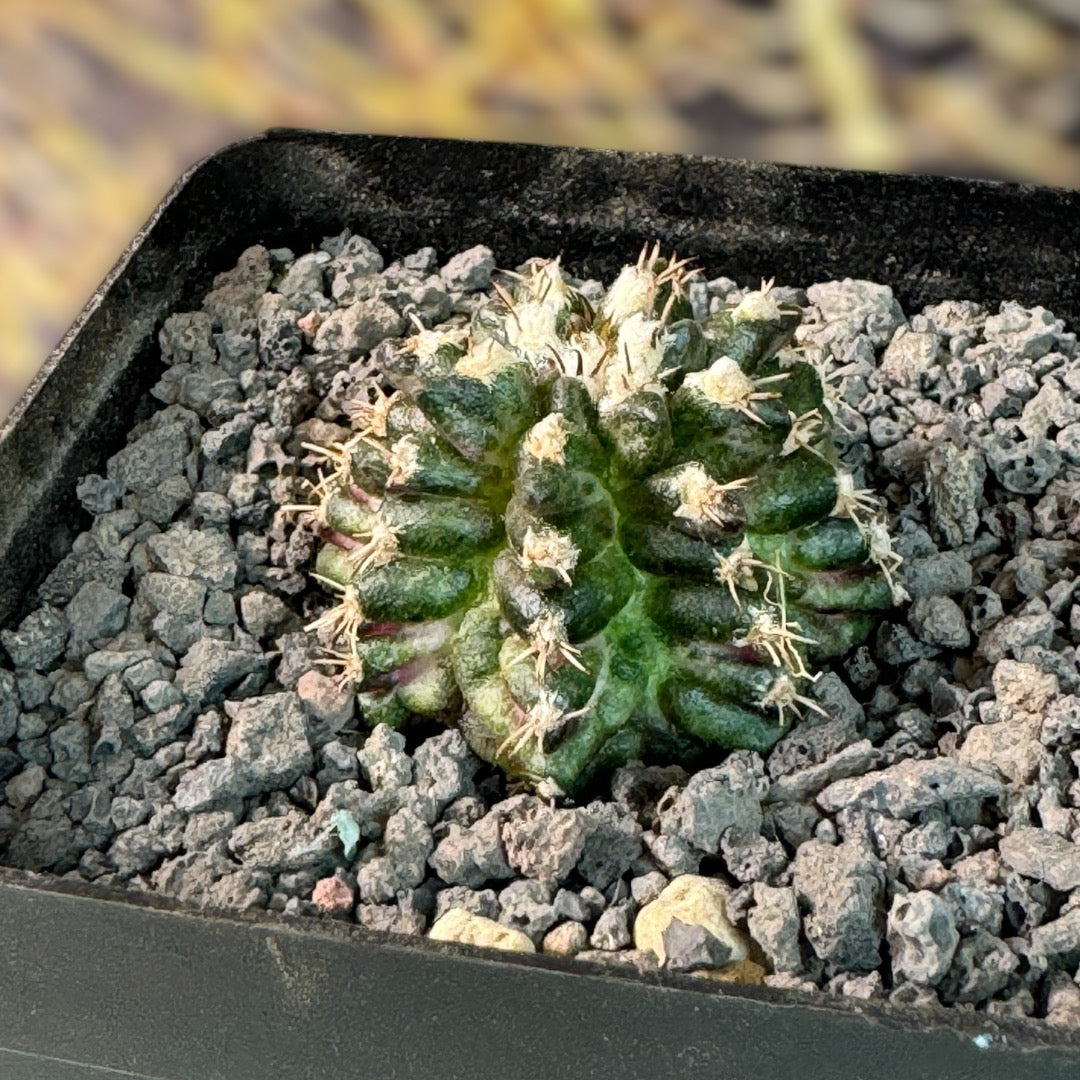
x=594, y=535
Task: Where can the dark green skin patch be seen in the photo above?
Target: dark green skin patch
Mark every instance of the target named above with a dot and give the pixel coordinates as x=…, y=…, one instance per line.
x=789, y=493
x=651, y=651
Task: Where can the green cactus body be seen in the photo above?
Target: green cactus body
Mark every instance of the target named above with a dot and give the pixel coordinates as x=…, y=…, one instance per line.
x=589, y=536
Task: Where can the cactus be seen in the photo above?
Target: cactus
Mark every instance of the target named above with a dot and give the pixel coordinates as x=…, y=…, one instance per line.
x=588, y=536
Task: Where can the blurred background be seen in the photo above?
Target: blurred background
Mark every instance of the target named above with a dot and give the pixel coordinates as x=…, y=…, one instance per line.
x=103, y=103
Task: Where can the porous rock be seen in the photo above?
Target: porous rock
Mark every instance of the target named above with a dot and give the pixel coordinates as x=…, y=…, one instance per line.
x=841, y=889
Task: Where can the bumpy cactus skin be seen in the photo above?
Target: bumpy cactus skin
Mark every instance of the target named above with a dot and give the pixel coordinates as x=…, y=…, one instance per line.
x=591, y=536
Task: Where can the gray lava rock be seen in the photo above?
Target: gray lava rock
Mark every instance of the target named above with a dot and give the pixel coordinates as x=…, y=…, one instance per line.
x=947, y=573
x=284, y=844
x=444, y=767
x=938, y=620
x=922, y=937
x=70, y=746
x=383, y=761
x=469, y=271
x=39, y=640
x=841, y=889
x=472, y=855
x=910, y=787
x=185, y=338
x=483, y=902
x=774, y=924
x=96, y=612
x=714, y=800
x=541, y=841
x=613, y=928
x=205, y=555
x=407, y=843
x=862, y=305
x=982, y=965
x=688, y=946
x=526, y=906
x=151, y=459
x=954, y=484
x=358, y=328
x=613, y=844
x=1043, y=855
x=268, y=740
x=1059, y=940
x=211, y=667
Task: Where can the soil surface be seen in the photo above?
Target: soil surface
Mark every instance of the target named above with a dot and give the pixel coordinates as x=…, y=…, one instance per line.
x=164, y=725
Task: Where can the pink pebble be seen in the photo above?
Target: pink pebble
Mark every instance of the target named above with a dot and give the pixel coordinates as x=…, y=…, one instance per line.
x=332, y=895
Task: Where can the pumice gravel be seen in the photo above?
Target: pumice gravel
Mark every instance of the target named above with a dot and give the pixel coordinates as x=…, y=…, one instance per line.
x=165, y=725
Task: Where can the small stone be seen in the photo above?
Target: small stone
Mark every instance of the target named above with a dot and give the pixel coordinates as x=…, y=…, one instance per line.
x=1022, y=332
x=947, y=573
x=541, y=841
x=954, y=486
x=1009, y=748
x=861, y=305
x=910, y=787
x=70, y=746
x=160, y=694
x=690, y=947
x=694, y=901
x=841, y=888
x=526, y=906
x=39, y=640
x=333, y=896
x=159, y=729
x=210, y=668
x=1044, y=856
x=570, y=905
x=407, y=843
x=612, y=930
x=922, y=937
x=1023, y=686
x=329, y=705
x=938, y=620
x=774, y=924
x=799, y=784
x=1025, y=467
x=982, y=965
x=217, y=784
x=337, y=761
x=466, y=928
x=714, y=800
x=469, y=271
x=672, y=854
x=566, y=939
x=207, y=556
x=23, y=789
x=908, y=358
x=172, y=594
x=1059, y=940
x=283, y=844
x=97, y=495
x=264, y=615
x=353, y=331
x=646, y=888
x=444, y=767
x=480, y=902
x=268, y=740
x=151, y=459
x=383, y=761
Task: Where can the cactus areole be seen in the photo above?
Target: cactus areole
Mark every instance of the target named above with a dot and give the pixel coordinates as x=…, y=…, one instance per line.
x=588, y=535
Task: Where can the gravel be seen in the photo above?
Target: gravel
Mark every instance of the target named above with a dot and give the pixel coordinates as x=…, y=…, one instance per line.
x=164, y=726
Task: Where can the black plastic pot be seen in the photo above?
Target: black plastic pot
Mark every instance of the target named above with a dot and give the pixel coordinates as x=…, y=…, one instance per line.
x=99, y=983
